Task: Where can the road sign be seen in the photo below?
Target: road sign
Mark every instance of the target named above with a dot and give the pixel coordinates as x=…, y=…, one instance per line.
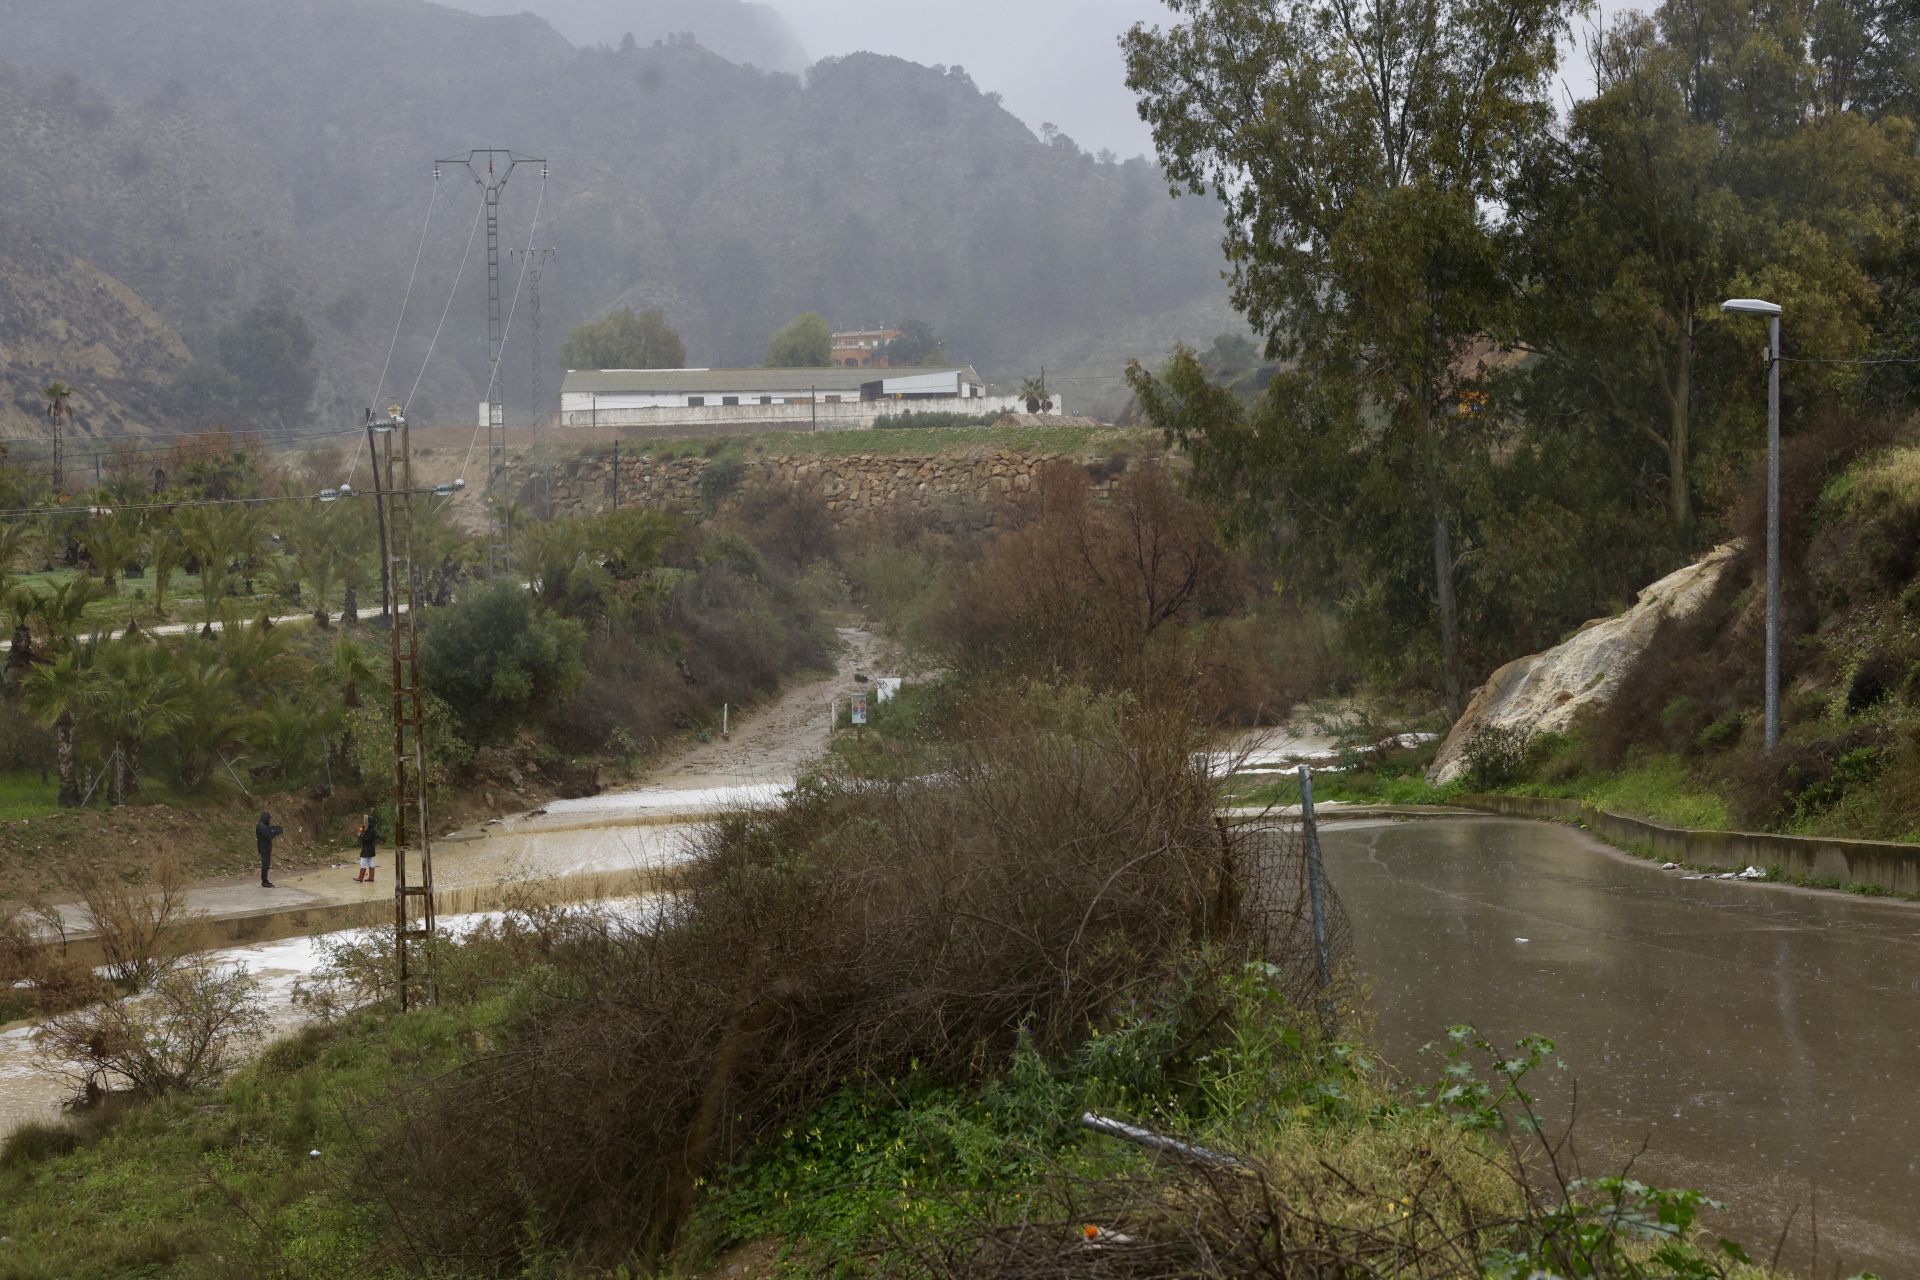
x=859, y=701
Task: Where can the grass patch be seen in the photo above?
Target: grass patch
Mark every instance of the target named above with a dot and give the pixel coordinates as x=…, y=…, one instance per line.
x=906, y=441
x=222, y=1184
x=26, y=795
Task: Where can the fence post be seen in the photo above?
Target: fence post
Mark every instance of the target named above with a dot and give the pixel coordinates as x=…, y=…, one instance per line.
x=1316, y=893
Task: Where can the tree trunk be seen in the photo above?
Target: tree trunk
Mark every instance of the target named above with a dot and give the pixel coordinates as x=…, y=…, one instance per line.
x=133, y=768
x=118, y=785
x=63, y=746
x=1679, y=499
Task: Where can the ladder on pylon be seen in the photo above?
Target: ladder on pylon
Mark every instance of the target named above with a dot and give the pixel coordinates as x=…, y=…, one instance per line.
x=413, y=916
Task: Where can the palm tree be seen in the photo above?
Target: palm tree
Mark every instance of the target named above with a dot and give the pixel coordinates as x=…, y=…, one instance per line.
x=114, y=543
x=218, y=538
x=56, y=692
x=209, y=716
x=1034, y=392
x=284, y=734
x=58, y=409
x=138, y=694
x=254, y=651
x=62, y=607
x=348, y=667
x=166, y=552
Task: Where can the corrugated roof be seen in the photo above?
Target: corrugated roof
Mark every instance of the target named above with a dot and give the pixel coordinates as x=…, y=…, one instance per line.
x=746, y=381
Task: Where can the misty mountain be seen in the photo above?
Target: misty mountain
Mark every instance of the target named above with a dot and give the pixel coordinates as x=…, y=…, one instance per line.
x=208, y=153
x=738, y=30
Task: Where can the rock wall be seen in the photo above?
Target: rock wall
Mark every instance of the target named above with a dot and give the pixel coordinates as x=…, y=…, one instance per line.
x=975, y=489
x=1545, y=692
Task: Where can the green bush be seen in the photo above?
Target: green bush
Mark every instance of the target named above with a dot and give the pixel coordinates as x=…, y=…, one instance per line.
x=719, y=480
x=35, y=1141
x=1721, y=733
x=894, y=421
x=497, y=656
x=1496, y=755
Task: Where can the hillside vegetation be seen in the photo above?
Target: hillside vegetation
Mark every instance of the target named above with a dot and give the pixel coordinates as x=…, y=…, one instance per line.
x=861, y=1040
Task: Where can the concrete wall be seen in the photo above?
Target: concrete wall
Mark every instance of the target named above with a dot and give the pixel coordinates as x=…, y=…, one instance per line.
x=1884, y=864
x=849, y=414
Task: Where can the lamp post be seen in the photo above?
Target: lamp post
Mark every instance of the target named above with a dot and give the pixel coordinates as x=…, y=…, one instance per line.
x=1771, y=310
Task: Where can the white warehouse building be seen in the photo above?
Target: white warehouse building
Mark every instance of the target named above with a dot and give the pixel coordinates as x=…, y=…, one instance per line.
x=827, y=399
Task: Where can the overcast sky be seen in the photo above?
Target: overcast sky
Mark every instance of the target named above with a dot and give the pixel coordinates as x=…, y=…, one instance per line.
x=1052, y=60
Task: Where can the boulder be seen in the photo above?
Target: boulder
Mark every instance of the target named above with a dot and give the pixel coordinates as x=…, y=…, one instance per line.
x=1547, y=692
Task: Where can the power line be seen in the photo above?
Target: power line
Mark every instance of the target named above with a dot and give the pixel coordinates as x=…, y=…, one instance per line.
x=475, y=230
x=380, y=383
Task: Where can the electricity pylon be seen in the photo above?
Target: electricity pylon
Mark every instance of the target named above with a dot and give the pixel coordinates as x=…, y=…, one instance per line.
x=492, y=180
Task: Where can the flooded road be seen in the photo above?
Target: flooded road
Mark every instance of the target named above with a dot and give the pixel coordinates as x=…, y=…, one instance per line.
x=1763, y=1042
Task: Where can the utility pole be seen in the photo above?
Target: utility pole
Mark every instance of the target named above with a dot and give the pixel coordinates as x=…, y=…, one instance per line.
x=413, y=917
x=380, y=516
x=492, y=180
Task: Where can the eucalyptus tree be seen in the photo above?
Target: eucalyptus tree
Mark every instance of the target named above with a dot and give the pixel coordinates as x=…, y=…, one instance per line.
x=1359, y=149
x=1724, y=152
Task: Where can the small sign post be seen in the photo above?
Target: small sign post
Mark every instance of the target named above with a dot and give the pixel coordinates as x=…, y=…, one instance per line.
x=859, y=702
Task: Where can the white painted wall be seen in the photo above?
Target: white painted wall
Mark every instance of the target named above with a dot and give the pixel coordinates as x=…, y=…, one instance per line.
x=851, y=414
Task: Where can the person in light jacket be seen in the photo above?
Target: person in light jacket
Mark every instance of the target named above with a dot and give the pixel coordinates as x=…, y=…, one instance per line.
x=369, y=843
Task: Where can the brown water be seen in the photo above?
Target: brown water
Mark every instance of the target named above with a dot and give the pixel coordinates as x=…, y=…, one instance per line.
x=1763, y=1042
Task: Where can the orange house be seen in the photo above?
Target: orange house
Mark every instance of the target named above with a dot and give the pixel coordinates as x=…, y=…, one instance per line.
x=862, y=348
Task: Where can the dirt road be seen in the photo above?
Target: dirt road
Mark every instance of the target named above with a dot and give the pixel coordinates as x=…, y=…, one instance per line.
x=634, y=828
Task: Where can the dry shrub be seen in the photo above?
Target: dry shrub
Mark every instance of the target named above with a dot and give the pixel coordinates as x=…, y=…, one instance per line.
x=1088, y=587
x=36, y=968
x=131, y=922
x=1052, y=868
x=788, y=521
x=183, y=1033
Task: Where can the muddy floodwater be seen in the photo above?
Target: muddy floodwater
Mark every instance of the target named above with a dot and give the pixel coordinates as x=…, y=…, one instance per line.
x=1763, y=1042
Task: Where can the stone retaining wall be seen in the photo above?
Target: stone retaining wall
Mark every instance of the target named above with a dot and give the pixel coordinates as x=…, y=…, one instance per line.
x=1884, y=864
x=975, y=488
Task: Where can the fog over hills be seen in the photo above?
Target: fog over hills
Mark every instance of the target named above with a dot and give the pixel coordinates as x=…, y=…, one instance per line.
x=208, y=153
x=738, y=30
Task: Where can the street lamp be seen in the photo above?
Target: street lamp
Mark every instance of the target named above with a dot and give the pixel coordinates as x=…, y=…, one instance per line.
x=1771, y=310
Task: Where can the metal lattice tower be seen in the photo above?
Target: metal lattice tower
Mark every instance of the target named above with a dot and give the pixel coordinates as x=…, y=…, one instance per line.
x=492, y=180
x=413, y=918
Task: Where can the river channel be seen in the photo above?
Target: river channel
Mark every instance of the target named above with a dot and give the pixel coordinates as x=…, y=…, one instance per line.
x=1762, y=1042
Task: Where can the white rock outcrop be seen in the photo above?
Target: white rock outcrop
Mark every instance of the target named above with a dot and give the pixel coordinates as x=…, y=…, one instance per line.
x=1546, y=692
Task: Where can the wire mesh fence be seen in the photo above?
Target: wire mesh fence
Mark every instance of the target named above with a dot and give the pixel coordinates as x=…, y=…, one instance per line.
x=1308, y=947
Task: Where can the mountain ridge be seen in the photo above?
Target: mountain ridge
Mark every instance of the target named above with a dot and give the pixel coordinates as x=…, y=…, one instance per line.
x=874, y=188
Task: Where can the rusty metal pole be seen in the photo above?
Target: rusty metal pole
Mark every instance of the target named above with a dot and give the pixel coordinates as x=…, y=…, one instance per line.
x=413, y=907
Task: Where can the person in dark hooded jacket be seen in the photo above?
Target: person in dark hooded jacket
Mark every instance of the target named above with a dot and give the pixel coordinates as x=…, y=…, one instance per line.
x=263, y=834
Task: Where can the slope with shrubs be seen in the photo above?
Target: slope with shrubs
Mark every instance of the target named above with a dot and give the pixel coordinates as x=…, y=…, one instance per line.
x=635, y=629
x=1688, y=719
x=860, y=1036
